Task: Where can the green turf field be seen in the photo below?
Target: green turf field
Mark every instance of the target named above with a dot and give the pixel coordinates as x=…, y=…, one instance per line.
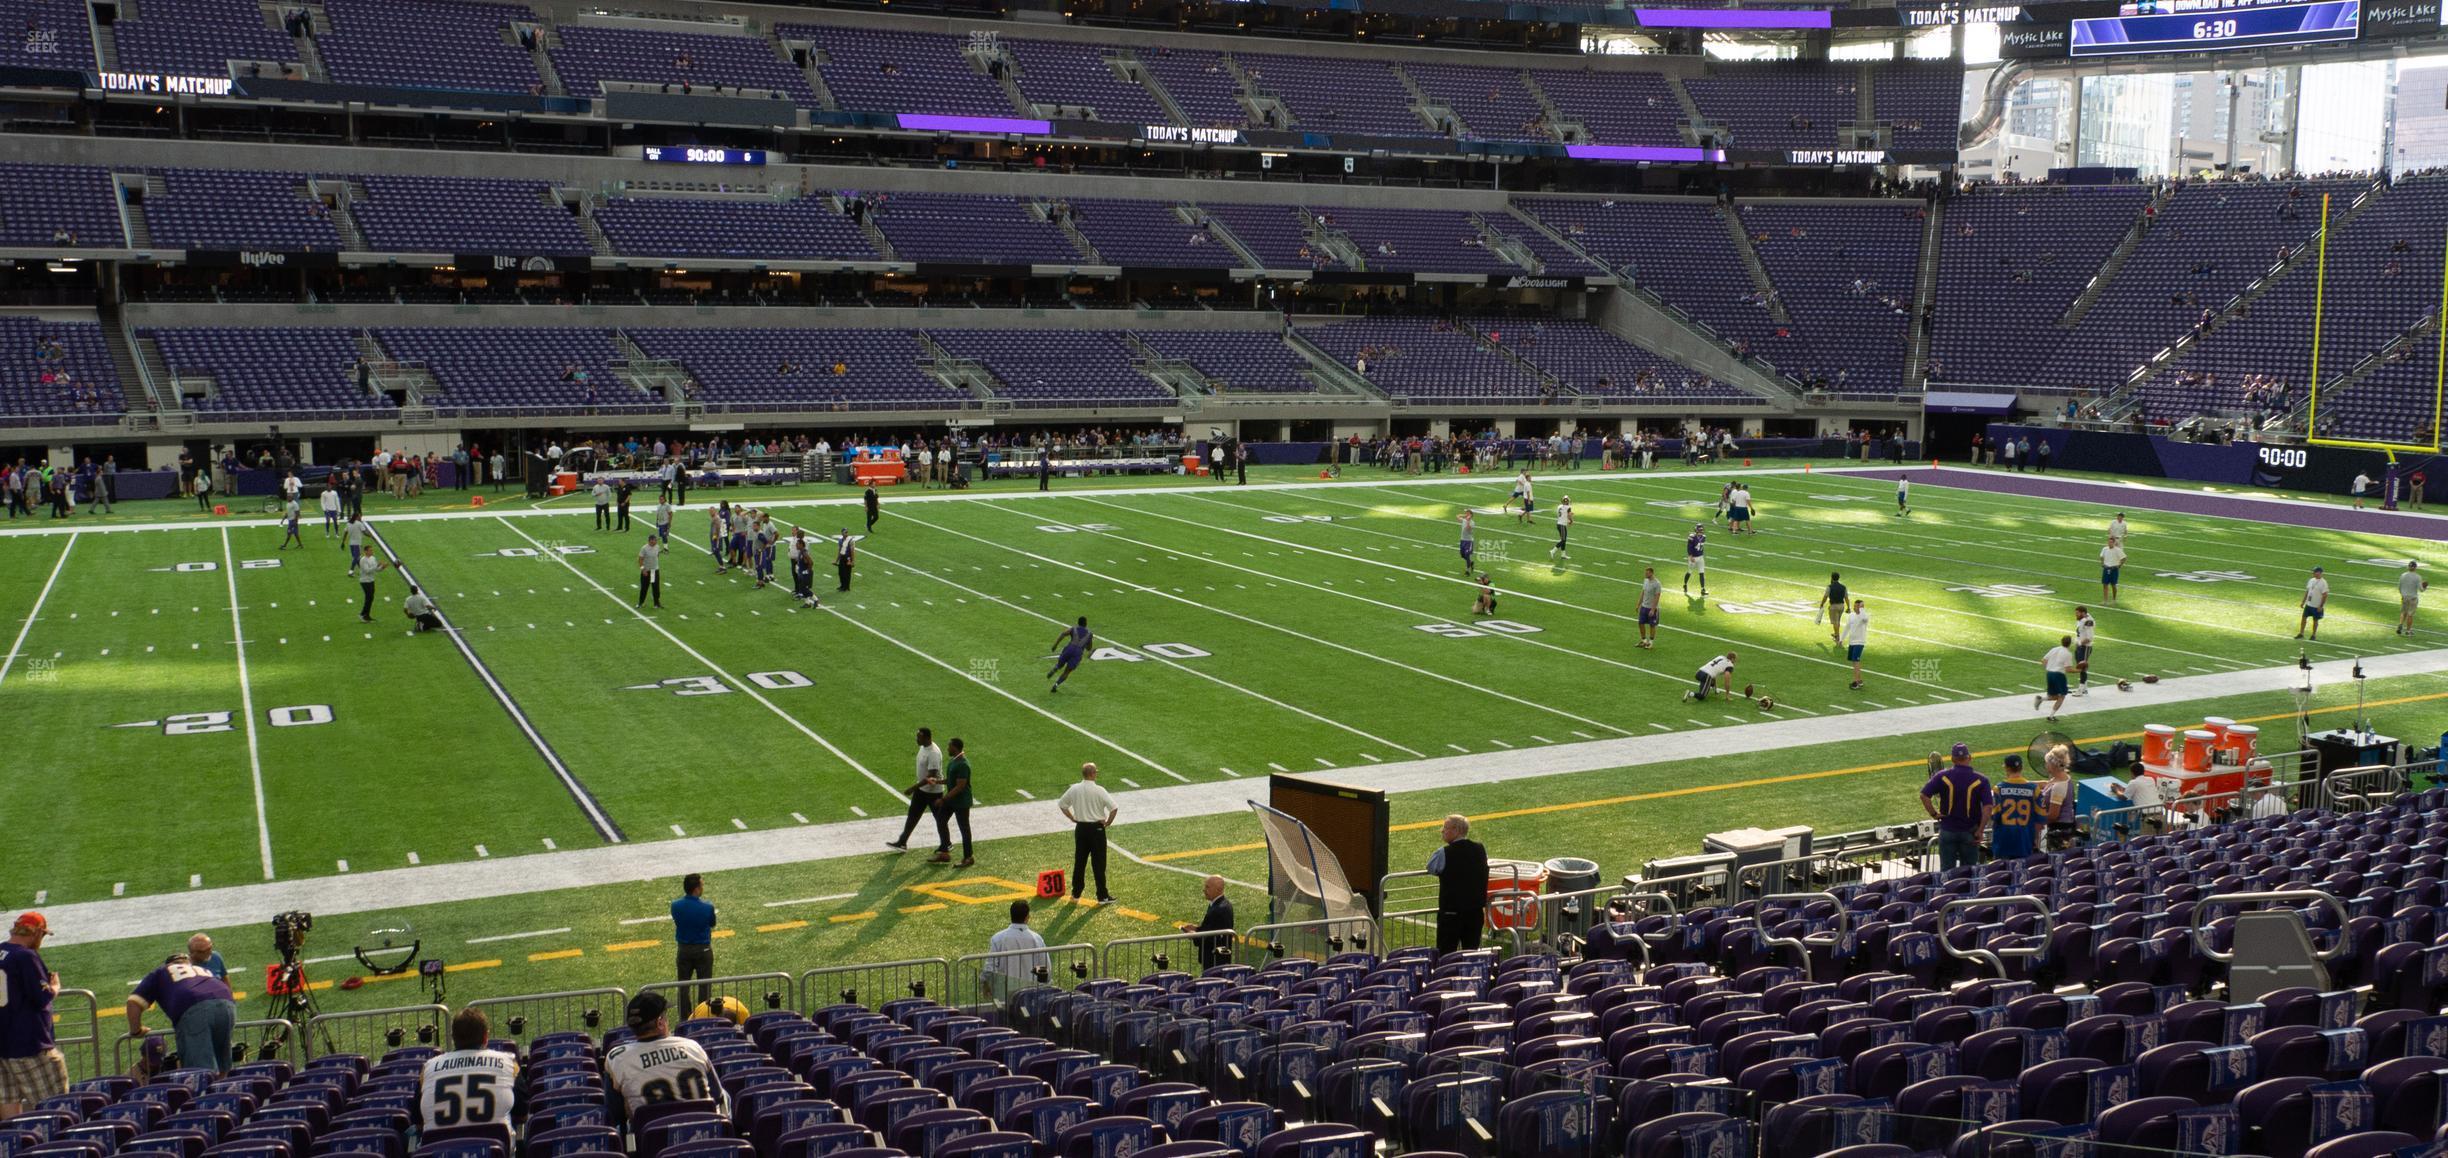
x=207, y=711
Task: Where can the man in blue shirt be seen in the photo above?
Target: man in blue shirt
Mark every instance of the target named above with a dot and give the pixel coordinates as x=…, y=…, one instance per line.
x=693, y=930
x=31, y=1066
x=197, y=1003
x=200, y=951
x=1958, y=799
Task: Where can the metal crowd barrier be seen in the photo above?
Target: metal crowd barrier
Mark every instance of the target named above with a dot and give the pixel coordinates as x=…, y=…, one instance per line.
x=275, y=1029
x=756, y=991
x=1317, y=940
x=589, y=1011
x=371, y=1032
x=975, y=986
x=2361, y=788
x=84, y=1050
x=1996, y=958
x=873, y=985
x=1132, y=958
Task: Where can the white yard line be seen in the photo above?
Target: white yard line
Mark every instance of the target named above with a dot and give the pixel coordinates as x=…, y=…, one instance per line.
x=246, y=704
x=1162, y=594
x=1166, y=661
x=742, y=685
x=516, y=936
x=159, y=914
x=35, y=612
x=604, y=825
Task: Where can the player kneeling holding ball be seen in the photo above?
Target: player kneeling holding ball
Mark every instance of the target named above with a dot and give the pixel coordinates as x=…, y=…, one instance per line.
x=1714, y=677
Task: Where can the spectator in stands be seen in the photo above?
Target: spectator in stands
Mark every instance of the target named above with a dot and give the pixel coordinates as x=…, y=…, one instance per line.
x=197, y=1003
x=1461, y=869
x=1214, y=930
x=1958, y=799
x=658, y=1066
x=999, y=976
x=31, y=1065
x=471, y=1085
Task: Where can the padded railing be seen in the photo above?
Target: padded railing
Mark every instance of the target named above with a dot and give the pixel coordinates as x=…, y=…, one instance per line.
x=566, y=1011
x=1013, y=968
x=2202, y=918
x=754, y=990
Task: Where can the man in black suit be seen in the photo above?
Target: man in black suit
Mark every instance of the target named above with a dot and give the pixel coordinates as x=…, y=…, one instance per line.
x=1218, y=949
x=1461, y=869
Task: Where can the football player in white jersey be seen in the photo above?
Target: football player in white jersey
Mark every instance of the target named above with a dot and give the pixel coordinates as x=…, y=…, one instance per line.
x=659, y=1066
x=471, y=1085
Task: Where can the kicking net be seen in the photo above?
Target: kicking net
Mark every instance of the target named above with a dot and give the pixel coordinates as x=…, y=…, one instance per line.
x=1306, y=883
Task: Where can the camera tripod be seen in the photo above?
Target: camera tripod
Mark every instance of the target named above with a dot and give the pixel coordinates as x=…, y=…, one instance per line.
x=292, y=1004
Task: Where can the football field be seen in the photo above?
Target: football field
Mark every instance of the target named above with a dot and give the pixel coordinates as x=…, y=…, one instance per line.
x=205, y=710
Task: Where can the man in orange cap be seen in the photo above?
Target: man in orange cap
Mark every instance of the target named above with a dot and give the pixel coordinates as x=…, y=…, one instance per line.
x=31, y=1067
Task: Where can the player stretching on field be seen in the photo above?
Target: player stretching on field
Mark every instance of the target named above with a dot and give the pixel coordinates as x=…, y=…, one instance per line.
x=1695, y=561
x=1074, y=642
x=2058, y=661
x=2112, y=562
x=2086, y=630
x=1521, y=490
x=1650, y=590
x=1713, y=676
x=1470, y=540
x=2410, y=587
x=2315, y=604
x=1486, y=603
x=1857, y=637
x=1563, y=528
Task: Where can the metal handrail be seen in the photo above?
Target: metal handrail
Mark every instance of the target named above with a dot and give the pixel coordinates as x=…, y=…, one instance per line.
x=555, y=1012
x=713, y=987
x=910, y=975
x=1800, y=945
x=1367, y=933
x=969, y=972
x=2333, y=786
x=1190, y=944
x=429, y=1019
x=92, y=1038
x=2201, y=921
x=1996, y=958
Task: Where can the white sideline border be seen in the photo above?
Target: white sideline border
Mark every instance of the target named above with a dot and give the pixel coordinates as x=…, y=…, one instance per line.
x=185, y=911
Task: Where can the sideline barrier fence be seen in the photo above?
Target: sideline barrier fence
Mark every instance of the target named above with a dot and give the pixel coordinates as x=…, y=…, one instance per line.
x=1134, y=957
x=2132, y=820
x=974, y=984
x=84, y=1050
x=1315, y=940
x=373, y=1031
x=873, y=985
x=757, y=991
x=570, y=1010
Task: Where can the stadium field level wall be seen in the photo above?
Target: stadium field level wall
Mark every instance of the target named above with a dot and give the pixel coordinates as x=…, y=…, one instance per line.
x=2327, y=469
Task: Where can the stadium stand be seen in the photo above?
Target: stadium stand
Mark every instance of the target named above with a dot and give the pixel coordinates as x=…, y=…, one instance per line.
x=1200, y=84
x=1844, y=271
x=1149, y=233
x=59, y=205
x=1081, y=77
x=586, y=56
x=1035, y=368
x=56, y=36
x=1857, y=1021
x=269, y=372
x=452, y=44
x=1681, y=250
x=1614, y=108
x=793, y=369
x=519, y=369
x=1493, y=103
x=1336, y=96
x=1778, y=106
x=201, y=38
x=228, y=209
x=987, y=230
x=806, y=228
x=464, y=215
x=1235, y=362
x=1920, y=102
x=1429, y=359
x=876, y=70
x=2012, y=261
x=75, y=379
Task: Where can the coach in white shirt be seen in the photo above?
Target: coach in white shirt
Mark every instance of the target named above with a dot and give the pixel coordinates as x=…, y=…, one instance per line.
x=1091, y=810
x=2058, y=662
x=2112, y=562
x=1857, y=637
x=2410, y=587
x=1001, y=975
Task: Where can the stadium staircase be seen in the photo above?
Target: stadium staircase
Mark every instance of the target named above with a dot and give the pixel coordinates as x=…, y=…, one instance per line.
x=867, y=229
x=594, y=229
x=542, y=56
x=344, y=219
x=105, y=42
x=135, y=384
x=1192, y=216
x=1436, y=113
x=1335, y=244
x=2298, y=418
x=983, y=56
x=1329, y=371
x=1693, y=122
x=317, y=23
x=966, y=375
x=1269, y=111
x=1925, y=292
x=1147, y=80
x=1044, y=211
x=1750, y=259
x=1513, y=355
x=664, y=378
x=1505, y=246
x=2122, y=401
x=415, y=385
x=2099, y=282
x=1181, y=377
x=131, y=210
x=815, y=76
x=1565, y=127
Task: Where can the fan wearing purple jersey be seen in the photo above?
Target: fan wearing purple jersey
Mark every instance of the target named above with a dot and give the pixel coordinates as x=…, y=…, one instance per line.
x=1074, y=641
